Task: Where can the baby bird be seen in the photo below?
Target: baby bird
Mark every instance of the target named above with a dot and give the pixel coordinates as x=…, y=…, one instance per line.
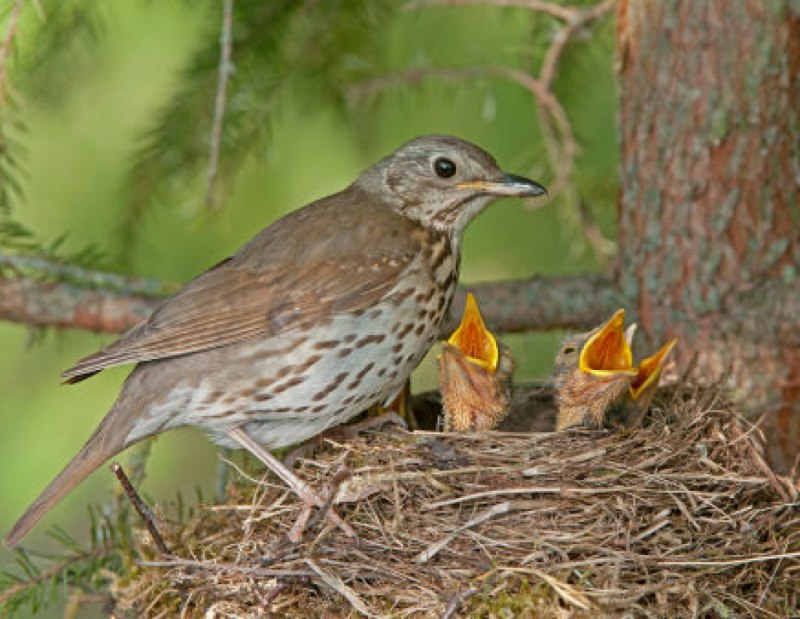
x=475, y=372
x=596, y=381
x=643, y=387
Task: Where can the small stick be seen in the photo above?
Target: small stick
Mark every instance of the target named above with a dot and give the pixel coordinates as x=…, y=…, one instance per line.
x=140, y=506
x=434, y=549
x=457, y=601
x=5, y=50
x=338, y=585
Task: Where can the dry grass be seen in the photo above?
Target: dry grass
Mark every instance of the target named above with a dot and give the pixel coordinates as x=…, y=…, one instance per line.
x=681, y=518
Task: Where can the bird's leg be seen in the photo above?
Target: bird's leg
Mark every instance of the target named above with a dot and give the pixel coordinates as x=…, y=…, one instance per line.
x=296, y=532
x=223, y=474
x=300, y=488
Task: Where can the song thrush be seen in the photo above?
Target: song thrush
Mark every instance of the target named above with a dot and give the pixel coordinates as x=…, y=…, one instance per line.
x=596, y=381
x=321, y=315
x=475, y=372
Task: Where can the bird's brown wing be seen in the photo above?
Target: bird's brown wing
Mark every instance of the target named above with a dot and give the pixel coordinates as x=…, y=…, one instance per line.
x=282, y=280
x=228, y=304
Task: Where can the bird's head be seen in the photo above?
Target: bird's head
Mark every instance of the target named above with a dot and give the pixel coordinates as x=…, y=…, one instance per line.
x=592, y=371
x=443, y=182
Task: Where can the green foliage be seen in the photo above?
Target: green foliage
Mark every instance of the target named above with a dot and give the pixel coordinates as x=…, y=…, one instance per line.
x=278, y=47
x=19, y=239
x=310, y=56
x=39, y=579
x=12, y=129
x=58, y=52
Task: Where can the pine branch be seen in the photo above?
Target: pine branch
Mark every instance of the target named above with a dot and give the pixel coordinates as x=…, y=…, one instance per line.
x=58, y=52
x=276, y=46
x=109, y=303
x=38, y=578
x=5, y=48
x=34, y=584
x=58, y=304
x=569, y=302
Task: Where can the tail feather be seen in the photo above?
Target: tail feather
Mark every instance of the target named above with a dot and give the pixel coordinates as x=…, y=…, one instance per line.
x=108, y=440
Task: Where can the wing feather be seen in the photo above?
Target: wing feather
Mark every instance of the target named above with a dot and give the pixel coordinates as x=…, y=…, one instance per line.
x=294, y=273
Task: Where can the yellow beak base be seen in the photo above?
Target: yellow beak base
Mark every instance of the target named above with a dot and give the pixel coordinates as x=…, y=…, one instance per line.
x=649, y=370
x=473, y=339
x=607, y=351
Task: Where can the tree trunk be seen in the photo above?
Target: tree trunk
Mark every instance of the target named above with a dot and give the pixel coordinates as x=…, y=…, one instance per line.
x=710, y=209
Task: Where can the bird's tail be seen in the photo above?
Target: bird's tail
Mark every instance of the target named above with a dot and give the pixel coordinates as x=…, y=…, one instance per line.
x=108, y=440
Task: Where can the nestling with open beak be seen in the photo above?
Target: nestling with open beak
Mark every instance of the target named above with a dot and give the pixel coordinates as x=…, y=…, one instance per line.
x=596, y=382
x=475, y=372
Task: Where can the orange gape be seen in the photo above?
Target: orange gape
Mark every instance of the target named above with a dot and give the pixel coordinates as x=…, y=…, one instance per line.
x=608, y=349
x=475, y=373
x=473, y=339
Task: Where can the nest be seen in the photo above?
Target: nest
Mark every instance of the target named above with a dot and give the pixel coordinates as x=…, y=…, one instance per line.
x=679, y=518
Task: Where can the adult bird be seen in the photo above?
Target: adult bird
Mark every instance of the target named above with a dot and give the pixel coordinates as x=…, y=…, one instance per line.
x=321, y=315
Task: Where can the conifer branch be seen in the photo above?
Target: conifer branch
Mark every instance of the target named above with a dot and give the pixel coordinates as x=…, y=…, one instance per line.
x=5, y=48
x=535, y=304
x=223, y=75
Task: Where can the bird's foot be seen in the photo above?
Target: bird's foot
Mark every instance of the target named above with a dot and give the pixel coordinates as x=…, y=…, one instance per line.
x=370, y=423
x=301, y=451
x=399, y=403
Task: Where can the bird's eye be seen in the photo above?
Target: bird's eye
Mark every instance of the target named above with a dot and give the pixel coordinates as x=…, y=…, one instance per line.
x=444, y=168
x=568, y=350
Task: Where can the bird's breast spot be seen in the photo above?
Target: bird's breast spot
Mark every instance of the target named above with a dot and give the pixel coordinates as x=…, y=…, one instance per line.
x=168, y=411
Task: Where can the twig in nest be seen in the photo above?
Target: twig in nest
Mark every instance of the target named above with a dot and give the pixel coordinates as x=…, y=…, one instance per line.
x=140, y=506
x=434, y=549
x=259, y=572
x=337, y=584
x=701, y=563
x=457, y=601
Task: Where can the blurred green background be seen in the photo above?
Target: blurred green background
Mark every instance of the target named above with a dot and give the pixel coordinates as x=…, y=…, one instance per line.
x=82, y=135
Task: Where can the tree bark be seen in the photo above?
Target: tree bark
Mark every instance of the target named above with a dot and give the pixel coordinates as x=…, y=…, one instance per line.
x=710, y=208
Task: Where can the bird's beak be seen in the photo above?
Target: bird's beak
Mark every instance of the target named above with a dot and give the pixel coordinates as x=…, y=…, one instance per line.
x=630, y=332
x=649, y=370
x=473, y=339
x=607, y=352
x=509, y=185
